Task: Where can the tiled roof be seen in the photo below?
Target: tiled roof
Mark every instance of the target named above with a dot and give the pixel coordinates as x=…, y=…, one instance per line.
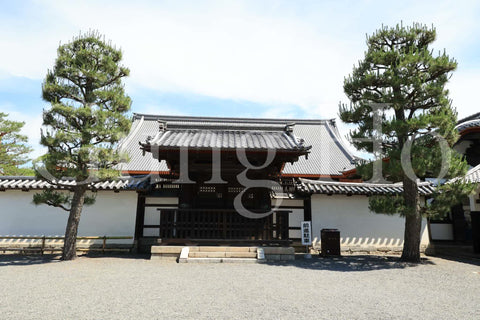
x=473, y=175
x=226, y=140
x=472, y=121
x=349, y=188
x=302, y=186
x=328, y=155
x=32, y=183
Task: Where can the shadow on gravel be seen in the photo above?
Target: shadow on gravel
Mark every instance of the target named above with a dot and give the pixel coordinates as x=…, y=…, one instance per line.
x=463, y=259
x=350, y=263
x=26, y=260
x=21, y=260
x=137, y=256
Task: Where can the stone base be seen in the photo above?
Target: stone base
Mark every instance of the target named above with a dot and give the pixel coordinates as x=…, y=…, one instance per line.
x=221, y=254
x=279, y=253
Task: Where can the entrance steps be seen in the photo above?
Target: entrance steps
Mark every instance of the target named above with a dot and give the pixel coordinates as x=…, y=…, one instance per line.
x=203, y=254
x=222, y=254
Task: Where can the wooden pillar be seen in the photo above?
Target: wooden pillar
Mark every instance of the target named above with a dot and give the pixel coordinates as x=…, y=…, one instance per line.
x=307, y=209
x=140, y=219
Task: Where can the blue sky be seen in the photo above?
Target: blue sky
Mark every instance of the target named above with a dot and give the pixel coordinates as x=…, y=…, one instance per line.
x=226, y=58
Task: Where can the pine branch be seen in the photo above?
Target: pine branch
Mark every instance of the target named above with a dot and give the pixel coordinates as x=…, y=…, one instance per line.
x=53, y=204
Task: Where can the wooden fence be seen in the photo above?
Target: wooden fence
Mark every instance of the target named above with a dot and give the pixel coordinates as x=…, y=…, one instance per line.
x=42, y=244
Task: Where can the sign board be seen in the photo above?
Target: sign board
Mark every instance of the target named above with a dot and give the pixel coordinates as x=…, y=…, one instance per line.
x=306, y=227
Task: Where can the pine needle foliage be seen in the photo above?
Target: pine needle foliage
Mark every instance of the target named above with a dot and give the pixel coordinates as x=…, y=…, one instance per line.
x=86, y=119
x=13, y=148
x=401, y=82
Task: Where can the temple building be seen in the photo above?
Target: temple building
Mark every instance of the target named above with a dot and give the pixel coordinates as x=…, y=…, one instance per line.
x=229, y=181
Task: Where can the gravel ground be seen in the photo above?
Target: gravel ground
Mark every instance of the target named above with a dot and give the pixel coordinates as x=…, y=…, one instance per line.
x=351, y=287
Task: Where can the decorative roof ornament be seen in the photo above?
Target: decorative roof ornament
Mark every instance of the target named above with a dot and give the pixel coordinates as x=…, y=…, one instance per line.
x=162, y=125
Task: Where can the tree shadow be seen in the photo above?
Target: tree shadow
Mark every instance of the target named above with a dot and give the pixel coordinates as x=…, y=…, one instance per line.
x=117, y=255
x=354, y=263
x=474, y=260
x=27, y=260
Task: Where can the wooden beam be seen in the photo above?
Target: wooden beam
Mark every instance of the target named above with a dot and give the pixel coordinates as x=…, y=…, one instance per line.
x=140, y=217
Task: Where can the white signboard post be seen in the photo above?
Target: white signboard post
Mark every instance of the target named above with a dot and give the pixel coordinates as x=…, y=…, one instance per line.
x=306, y=227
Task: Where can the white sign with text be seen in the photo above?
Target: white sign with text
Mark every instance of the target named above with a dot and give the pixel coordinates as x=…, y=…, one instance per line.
x=306, y=233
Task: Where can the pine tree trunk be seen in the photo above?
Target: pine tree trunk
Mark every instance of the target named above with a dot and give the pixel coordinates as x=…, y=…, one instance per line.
x=70, y=245
x=413, y=222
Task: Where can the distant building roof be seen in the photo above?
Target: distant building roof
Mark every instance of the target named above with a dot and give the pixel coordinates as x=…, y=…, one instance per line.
x=473, y=175
x=349, y=188
x=469, y=122
x=328, y=155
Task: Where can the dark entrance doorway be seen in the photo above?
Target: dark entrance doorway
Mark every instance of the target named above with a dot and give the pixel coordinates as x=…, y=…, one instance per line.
x=221, y=224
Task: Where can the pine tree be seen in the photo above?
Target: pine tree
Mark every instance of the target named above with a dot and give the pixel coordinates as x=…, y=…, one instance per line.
x=86, y=119
x=402, y=83
x=13, y=151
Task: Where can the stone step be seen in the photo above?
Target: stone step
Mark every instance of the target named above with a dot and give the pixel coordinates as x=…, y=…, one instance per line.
x=182, y=253
x=222, y=249
x=222, y=254
x=224, y=260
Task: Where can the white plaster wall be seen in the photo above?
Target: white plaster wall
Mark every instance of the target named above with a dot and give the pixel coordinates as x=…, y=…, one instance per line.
x=295, y=219
x=441, y=231
x=161, y=200
x=113, y=214
x=152, y=214
x=296, y=215
x=357, y=224
x=474, y=206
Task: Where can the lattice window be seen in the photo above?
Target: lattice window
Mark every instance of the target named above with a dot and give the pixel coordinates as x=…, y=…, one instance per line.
x=207, y=189
x=235, y=189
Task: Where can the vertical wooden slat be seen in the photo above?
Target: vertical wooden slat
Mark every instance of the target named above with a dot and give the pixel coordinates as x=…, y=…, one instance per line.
x=43, y=245
x=140, y=217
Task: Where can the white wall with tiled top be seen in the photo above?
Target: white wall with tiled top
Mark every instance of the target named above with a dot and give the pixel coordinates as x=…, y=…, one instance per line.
x=359, y=227
x=113, y=214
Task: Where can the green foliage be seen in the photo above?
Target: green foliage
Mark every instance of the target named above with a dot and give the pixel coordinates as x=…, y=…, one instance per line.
x=401, y=75
x=389, y=204
x=447, y=195
x=53, y=198
x=13, y=151
x=88, y=113
x=58, y=199
x=26, y=172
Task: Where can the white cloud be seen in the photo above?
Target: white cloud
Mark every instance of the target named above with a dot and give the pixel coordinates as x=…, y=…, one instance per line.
x=278, y=53
x=228, y=52
x=463, y=87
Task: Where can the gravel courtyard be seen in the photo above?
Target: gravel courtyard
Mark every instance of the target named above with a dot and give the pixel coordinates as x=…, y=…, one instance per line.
x=352, y=287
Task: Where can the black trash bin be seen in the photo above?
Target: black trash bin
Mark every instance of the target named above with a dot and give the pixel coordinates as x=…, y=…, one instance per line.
x=330, y=242
x=475, y=215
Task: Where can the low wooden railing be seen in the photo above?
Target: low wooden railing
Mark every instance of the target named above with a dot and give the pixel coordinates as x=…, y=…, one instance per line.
x=39, y=244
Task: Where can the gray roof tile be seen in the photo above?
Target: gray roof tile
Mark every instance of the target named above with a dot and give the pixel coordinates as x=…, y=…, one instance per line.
x=349, y=188
x=473, y=175
x=32, y=183
x=472, y=121
x=227, y=139
x=328, y=155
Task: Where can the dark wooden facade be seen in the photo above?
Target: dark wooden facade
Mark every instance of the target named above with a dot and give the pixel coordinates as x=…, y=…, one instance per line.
x=203, y=215
x=209, y=180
